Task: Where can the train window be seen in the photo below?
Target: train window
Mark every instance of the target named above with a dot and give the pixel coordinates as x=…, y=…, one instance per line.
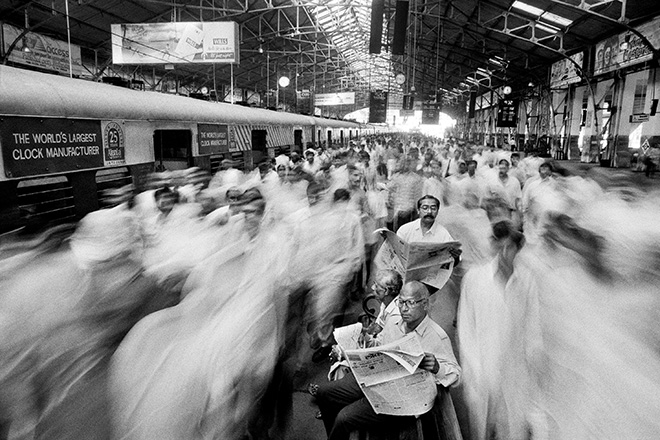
x=46, y=200
x=329, y=138
x=172, y=145
x=298, y=138
x=111, y=178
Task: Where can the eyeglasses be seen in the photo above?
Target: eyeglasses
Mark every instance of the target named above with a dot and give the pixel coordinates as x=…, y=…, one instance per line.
x=409, y=303
x=428, y=208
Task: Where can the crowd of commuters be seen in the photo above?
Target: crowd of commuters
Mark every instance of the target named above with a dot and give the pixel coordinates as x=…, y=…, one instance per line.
x=184, y=311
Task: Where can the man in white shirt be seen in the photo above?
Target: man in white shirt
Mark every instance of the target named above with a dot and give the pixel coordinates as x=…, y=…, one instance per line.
x=425, y=228
x=343, y=405
x=506, y=187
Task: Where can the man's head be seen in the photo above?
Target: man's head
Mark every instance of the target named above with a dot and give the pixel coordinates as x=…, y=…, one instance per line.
x=354, y=176
x=413, y=303
x=310, y=155
x=504, y=168
x=427, y=208
x=462, y=167
x=315, y=192
x=515, y=158
x=545, y=170
x=436, y=168
x=471, y=167
x=252, y=205
x=387, y=284
x=282, y=171
x=166, y=199
x=428, y=156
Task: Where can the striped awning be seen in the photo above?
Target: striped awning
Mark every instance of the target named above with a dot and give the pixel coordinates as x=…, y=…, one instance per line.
x=276, y=136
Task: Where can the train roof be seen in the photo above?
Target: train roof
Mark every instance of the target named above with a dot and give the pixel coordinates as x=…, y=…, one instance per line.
x=29, y=93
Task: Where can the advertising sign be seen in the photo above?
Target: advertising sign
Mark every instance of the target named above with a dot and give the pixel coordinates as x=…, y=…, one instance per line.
x=627, y=48
x=430, y=113
x=213, y=138
x=334, y=98
x=507, y=113
x=114, y=147
x=32, y=146
x=564, y=72
x=408, y=102
x=172, y=43
x=378, y=107
x=40, y=51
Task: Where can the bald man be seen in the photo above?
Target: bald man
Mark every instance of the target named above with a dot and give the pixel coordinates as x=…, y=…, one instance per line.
x=343, y=405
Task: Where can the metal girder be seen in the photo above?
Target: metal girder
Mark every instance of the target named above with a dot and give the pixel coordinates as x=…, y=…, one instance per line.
x=621, y=22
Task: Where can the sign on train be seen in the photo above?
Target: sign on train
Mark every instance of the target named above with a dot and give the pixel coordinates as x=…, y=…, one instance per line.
x=33, y=146
x=213, y=138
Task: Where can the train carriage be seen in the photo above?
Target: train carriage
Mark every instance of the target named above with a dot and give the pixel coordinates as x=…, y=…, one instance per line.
x=64, y=140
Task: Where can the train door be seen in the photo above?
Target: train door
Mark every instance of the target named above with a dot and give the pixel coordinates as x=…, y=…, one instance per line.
x=298, y=139
x=341, y=136
x=173, y=149
x=259, y=151
x=329, y=138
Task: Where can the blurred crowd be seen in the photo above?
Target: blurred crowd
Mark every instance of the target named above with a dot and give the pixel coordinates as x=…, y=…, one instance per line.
x=183, y=311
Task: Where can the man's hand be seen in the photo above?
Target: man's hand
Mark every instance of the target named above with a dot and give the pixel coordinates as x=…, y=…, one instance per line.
x=336, y=354
x=430, y=363
x=455, y=253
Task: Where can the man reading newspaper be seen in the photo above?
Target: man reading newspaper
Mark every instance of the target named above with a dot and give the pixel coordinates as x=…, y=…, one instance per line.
x=343, y=403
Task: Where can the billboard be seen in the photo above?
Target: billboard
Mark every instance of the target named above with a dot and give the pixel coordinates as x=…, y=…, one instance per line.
x=613, y=54
x=39, y=51
x=334, y=98
x=173, y=43
x=564, y=72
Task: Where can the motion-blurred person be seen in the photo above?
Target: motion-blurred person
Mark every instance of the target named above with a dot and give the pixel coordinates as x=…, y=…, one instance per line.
x=330, y=267
x=311, y=165
x=480, y=320
x=507, y=188
x=193, y=371
x=63, y=314
x=343, y=404
x=404, y=187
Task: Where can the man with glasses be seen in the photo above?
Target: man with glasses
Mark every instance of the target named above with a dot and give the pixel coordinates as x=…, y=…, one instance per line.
x=343, y=405
x=425, y=228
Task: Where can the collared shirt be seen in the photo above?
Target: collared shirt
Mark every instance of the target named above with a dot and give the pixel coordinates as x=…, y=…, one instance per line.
x=412, y=232
x=508, y=189
x=386, y=313
x=434, y=340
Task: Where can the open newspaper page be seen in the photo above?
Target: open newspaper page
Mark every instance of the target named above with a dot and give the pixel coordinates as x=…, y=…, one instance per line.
x=430, y=263
x=390, y=379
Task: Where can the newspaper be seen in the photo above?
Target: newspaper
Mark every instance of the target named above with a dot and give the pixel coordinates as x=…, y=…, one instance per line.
x=390, y=379
x=430, y=263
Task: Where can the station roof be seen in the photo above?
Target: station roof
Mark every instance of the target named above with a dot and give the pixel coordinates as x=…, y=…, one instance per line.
x=452, y=46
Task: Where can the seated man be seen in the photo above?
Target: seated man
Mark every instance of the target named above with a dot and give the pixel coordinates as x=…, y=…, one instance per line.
x=344, y=406
x=386, y=286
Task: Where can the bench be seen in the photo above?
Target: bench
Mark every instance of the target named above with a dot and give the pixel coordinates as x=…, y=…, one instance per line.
x=439, y=423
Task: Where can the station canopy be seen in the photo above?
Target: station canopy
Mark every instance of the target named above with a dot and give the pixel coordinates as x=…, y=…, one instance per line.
x=451, y=48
